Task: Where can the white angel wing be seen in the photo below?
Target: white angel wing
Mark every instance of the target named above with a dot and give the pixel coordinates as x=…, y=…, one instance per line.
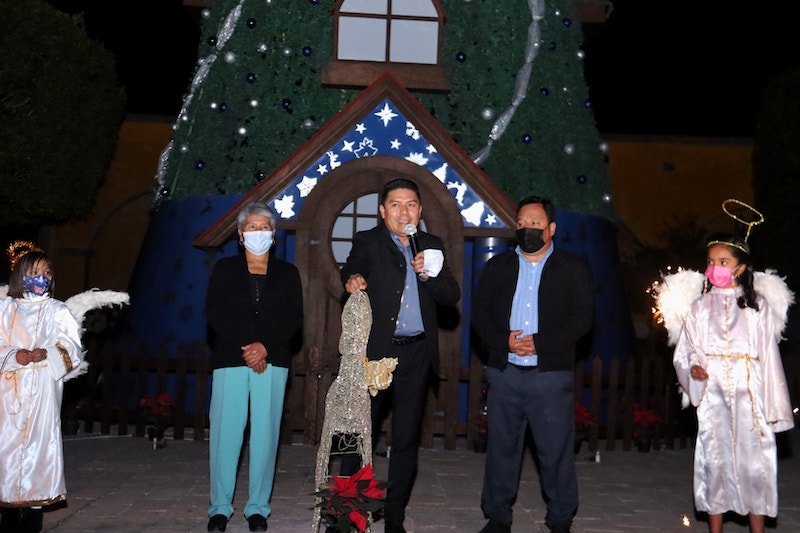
x=674, y=296
x=83, y=302
x=777, y=294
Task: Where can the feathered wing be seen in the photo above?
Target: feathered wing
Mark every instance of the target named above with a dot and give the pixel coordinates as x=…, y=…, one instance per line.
x=778, y=296
x=674, y=295
x=82, y=303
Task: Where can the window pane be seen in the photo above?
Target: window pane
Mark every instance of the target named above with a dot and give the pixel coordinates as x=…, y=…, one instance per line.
x=414, y=41
x=349, y=208
x=362, y=39
x=341, y=249
x=342, y=228
x=365, y=223
x=375, y=7
x=368, y=204
x=414, y=8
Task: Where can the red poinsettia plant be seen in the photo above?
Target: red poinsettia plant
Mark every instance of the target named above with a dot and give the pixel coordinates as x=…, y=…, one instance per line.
x=645, y=422
x=158, y=411
x=346, y=502
x=584, y=419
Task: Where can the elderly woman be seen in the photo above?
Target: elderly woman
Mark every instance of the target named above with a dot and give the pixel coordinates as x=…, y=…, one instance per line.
x=39, y=345
x=255, y=309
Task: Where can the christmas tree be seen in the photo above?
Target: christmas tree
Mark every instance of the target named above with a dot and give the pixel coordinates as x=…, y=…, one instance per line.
x=517, y=99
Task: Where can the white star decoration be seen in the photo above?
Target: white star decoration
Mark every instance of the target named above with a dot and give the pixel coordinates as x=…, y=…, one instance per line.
x=306, y=186
x=418, y=158
x=412, y=131
x=385, y=141
x=386, y=114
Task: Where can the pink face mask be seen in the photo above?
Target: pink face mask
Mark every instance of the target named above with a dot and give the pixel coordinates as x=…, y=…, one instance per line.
x=719, y=276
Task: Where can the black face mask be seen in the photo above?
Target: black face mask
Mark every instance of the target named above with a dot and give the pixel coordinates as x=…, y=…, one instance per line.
x=530, y=239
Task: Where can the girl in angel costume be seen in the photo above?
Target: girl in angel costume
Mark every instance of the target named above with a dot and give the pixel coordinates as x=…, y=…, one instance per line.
x=727, y=362
x=40, y=347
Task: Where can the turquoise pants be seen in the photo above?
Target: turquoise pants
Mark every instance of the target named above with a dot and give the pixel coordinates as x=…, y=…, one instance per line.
x=233, y=390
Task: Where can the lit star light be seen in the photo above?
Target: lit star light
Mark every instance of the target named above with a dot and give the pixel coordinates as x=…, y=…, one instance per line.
x=386, y=114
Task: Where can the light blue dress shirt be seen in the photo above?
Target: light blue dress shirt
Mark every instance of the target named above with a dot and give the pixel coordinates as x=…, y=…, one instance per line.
x=409, y=319
x=525, y=306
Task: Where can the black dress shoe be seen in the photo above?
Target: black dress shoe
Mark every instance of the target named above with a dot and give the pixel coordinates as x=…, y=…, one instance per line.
x=257, y=522
x=31, y=520
x=493, y=526
x=218, y=522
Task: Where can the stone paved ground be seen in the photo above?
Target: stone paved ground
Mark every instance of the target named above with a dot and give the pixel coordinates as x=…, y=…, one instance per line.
x=121, y=484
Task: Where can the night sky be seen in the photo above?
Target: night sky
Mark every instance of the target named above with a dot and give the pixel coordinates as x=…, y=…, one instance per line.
x=655, y=67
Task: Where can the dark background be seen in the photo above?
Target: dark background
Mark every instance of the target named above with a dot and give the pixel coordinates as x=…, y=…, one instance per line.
x=655, y=67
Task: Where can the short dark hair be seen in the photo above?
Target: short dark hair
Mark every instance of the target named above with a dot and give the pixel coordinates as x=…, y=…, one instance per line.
x=399, y=183
x=547, y=205
x=25, y=263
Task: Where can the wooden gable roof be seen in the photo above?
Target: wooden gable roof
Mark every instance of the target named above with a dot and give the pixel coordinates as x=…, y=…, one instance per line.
x=385, y=87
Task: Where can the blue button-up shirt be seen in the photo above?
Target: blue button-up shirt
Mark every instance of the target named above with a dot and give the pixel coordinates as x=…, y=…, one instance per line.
x=525, y=306
x=409, y=319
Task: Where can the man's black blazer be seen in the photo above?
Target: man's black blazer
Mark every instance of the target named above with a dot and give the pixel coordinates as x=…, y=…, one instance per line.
x=376, y=257
x=566, y=308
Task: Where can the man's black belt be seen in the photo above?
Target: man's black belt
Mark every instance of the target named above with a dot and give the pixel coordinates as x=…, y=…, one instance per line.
x=402, y=341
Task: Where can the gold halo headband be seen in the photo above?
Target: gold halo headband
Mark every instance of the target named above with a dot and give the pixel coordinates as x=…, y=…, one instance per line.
x=748, y=223
x=17, y=250
x=726, y=243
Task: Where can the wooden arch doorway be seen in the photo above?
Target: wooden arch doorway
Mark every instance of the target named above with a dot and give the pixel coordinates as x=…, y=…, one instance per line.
x=319, y=253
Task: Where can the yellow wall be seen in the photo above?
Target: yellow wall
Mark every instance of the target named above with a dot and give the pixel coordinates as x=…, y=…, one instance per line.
x=656, y=180
x=113, y=234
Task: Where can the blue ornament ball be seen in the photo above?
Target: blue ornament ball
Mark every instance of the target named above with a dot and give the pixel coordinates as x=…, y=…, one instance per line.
x=286, y=103
x=581, y=179
x=200, y=164
x=164, y=191
x=587, y=104
x=212, y=41
x=527, y=138
x=251, y=23
x=260, y=175
x=544, y=91
x=222, y=107
x=307, y=51
x=567, y=22
x=313, y=2
x=251, y=77
x=461, y=57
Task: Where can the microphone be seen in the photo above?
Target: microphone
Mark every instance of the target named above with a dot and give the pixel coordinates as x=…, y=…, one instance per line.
x=411, y=232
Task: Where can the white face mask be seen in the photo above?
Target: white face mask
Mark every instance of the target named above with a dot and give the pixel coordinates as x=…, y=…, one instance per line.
x=257, y=242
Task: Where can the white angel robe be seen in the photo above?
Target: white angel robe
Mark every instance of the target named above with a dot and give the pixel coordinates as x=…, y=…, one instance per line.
x=744, y=402
x=31, y=455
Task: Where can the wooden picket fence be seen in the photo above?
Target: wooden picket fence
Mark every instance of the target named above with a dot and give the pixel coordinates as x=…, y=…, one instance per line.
x=118, y=378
